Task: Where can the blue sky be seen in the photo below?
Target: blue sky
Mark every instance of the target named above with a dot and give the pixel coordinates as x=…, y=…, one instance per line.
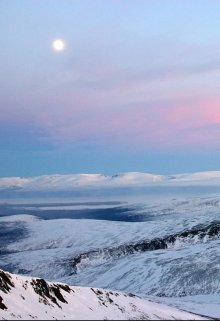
x=136, y=88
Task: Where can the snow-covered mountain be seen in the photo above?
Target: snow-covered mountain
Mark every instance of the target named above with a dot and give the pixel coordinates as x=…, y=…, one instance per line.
x=130, y=179
x=65, y=182
x=30, y=298
x=162, y=245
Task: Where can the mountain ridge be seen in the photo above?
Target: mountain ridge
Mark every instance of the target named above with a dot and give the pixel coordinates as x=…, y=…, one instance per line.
x=127, y=179
x=31, y=298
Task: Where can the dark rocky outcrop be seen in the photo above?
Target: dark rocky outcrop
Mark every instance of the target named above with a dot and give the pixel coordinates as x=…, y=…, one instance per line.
x=2, y=305
x=5, y=282
x=5, y=286
x=49, y=293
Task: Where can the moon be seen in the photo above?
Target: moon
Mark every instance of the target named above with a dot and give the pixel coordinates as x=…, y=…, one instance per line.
x=58, y=45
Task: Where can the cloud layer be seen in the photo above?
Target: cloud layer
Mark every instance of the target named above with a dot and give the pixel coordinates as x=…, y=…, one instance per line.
x=129, y=77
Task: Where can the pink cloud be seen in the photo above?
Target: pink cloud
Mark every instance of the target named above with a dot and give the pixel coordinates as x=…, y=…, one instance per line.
x=116, y=116
x=163, y=126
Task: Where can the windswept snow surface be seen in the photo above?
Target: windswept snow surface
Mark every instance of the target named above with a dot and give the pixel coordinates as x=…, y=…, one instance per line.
x=30, y=298
x=162, y=243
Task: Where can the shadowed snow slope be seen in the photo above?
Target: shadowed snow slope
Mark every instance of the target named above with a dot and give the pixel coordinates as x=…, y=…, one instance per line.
x=30, y=298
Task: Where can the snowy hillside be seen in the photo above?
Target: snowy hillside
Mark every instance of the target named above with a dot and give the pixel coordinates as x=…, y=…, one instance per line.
x=132, y=179
x=162, y=245
x=31, y=298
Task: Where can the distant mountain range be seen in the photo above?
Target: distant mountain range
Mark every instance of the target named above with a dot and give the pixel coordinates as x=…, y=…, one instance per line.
x=130, y=179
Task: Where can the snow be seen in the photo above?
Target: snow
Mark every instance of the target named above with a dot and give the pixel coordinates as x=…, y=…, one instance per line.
x=24, y=301
x=18, y=218
x=200, y=304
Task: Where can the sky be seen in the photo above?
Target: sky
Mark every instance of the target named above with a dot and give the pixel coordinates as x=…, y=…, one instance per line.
x=136, y=88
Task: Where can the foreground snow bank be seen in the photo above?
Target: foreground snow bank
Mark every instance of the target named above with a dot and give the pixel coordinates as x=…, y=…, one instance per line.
x=30, y=298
